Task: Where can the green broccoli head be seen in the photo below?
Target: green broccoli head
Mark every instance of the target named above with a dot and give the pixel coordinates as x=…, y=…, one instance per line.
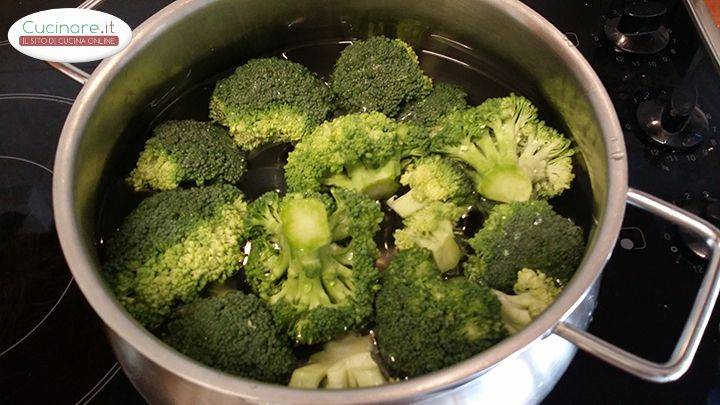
x=270, y=100
x=432, y=178
x=312, y=260
x=514, y=156
x=191, y=151
x=343, y=363
x=433, y=228
x=234, y=333
x=359, y=152
x=378, y=74
x=172, y=245
x=424, y=323
x=442, y=100
x=520, y=235
x=534, y=291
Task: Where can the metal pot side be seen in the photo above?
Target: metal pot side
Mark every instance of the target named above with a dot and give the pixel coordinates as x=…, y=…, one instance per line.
x=193, y=39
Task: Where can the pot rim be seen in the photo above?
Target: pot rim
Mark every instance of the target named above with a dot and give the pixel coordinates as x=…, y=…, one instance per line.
x=81, y=258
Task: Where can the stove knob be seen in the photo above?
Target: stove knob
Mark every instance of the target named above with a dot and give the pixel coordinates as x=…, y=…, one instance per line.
x=639, y=29
x=676, y=122
x=708, y=208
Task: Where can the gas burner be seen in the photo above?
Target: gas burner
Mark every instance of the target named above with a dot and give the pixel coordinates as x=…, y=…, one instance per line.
x=32, y=287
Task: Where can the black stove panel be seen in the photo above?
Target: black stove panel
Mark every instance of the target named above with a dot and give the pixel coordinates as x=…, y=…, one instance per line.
x=53, y=349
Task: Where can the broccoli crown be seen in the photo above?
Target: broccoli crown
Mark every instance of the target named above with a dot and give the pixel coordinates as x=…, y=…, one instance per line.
x=433, y=228
x=172, y=245
x=234, y=333
x=343, y=363
x=432, y=178
x=520, y=235
x=187, y=151
x=443, y=99
x=425, y=323
x=514, y=156
x=378, y=74
x=270, y=100
x=534, y=291
x=359, y=152
x=312, y=260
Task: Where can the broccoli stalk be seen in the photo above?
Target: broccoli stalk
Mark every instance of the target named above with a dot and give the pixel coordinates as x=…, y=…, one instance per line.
x=433, y=178
x=316, y=277
x=343, y=363
x=534, y=291
x=514, y=156
x=373, y=182
x=433, y=228
x=312, y=261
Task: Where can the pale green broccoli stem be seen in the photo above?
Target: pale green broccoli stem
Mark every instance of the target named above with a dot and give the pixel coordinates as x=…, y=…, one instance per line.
x=314, y=276
x=343, y=363
x=379, y=183
x=498, y=175
x=357, y=371
x=406, y=204
x=444, y=247
x=309, y=376
x=534, y=292
x=441, y=242
x=514, y=310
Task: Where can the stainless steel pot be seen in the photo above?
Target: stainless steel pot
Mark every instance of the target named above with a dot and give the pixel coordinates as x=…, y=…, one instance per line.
x=192, y=39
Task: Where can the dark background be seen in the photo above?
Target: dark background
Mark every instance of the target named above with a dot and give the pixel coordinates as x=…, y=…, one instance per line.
x=646, y=293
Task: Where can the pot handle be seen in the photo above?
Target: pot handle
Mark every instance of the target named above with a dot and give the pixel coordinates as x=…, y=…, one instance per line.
x=67, y=69
x=692, y=332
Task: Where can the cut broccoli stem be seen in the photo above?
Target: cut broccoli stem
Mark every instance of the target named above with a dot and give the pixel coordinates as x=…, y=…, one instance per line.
x=506, y=184
x=445, y=251
x=501, y=179
x=376, y=183
x=513, y=310
x=316, y=277
x=432, y=228
x=343, y=363
x=406, y=204
x=305, y=223
x=309, y=376
x=359, y=370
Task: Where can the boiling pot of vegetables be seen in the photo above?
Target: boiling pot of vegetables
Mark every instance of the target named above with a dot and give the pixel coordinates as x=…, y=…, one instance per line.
x=350, y=202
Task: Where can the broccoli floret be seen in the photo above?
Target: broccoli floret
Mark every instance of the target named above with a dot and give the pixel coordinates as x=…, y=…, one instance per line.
x=378, y=74
x=425, y=323
x=270, y=100
x=359, y=152
x=432, y=178
x=172, y=245
x=534, y=291
x=312, y=260
x=234, y=333
x=519, y=235
x=433, y=228
x=514, y=156
x=188, y=150
x=443, y=99
x=343, y=363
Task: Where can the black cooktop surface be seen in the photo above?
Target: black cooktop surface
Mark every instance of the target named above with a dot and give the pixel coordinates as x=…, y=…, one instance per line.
x=53, y=348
